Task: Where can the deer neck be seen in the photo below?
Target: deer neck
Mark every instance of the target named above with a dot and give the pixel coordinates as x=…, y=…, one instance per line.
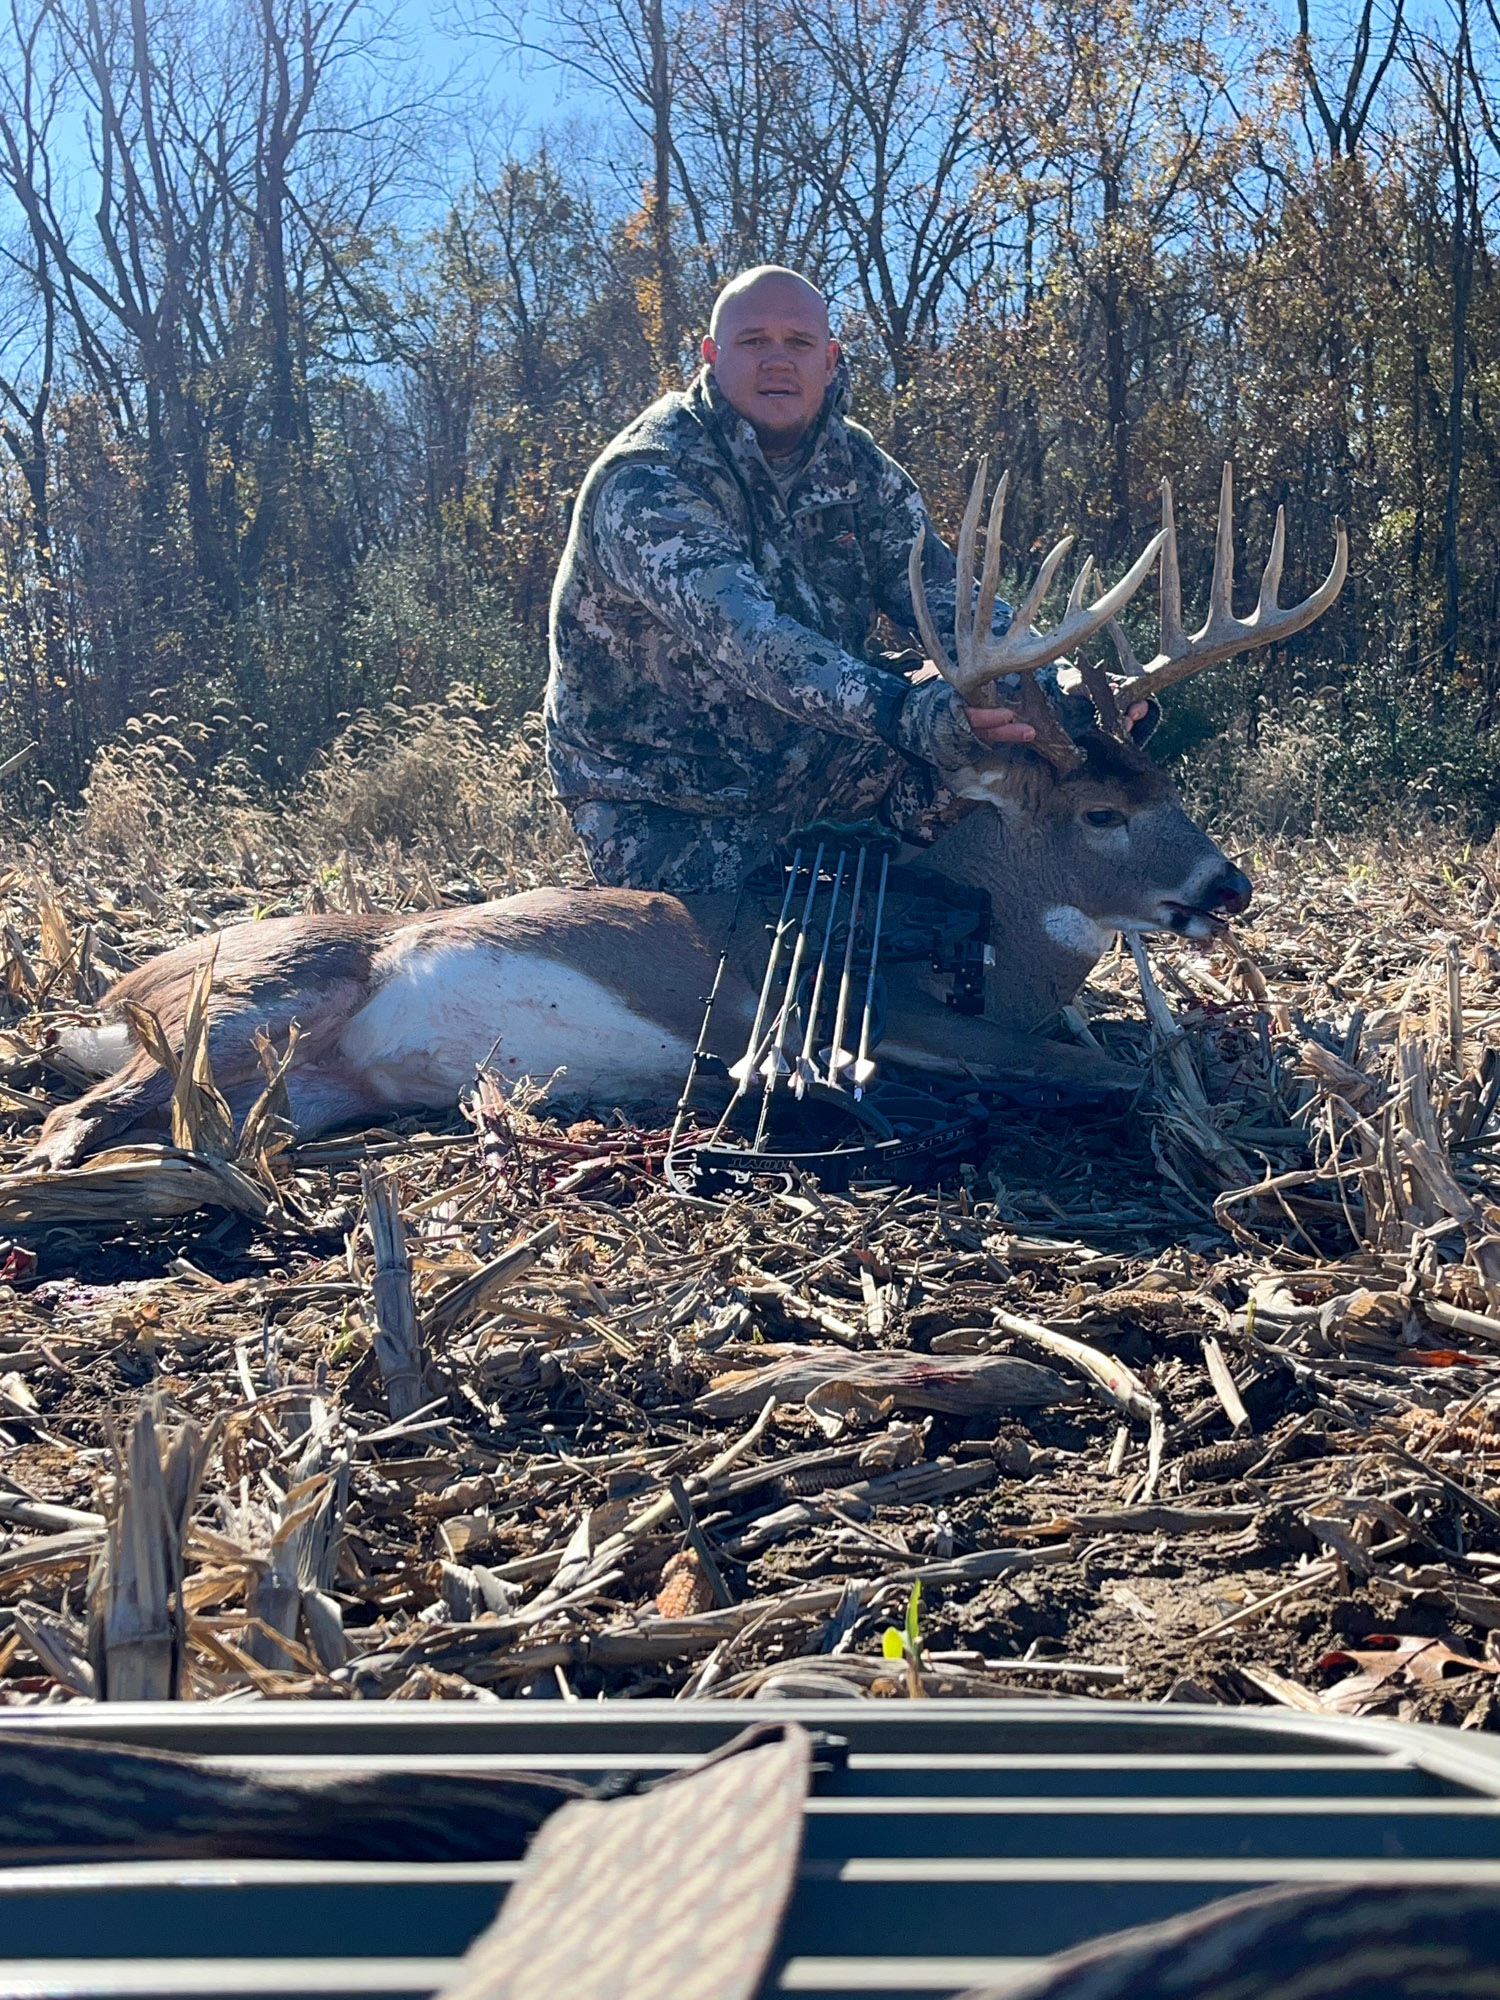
x=1045, y=946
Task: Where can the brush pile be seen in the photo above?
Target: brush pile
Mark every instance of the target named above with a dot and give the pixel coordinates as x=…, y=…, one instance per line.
x=1199, y=1403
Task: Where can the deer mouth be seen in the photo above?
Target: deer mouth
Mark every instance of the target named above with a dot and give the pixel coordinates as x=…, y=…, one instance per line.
x=1190, y=920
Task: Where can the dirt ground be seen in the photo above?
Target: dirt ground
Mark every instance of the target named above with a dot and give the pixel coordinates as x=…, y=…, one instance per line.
x=1197, y=1402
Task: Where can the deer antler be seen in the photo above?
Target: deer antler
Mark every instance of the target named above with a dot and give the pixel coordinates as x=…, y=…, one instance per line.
x=1023, y=650
x=1183, y=654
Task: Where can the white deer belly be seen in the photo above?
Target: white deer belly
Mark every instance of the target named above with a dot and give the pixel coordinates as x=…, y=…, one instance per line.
x=445, y=1009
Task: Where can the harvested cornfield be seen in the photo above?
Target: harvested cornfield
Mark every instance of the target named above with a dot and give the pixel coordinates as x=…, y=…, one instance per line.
x=1198, y=1402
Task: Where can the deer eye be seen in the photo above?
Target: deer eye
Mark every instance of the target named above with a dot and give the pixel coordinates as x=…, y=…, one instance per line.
x=1105, y=816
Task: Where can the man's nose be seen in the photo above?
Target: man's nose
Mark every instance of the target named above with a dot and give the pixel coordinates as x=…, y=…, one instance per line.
x=1229, y=893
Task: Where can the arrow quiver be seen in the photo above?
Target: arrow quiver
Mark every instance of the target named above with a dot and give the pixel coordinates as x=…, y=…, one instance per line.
x=836, y=907
x=926, y=916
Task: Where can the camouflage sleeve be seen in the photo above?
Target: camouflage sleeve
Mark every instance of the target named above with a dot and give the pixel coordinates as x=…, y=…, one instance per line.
x=662, y=540
x=899, y=515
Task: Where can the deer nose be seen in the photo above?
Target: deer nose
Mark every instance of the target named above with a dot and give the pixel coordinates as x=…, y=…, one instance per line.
x=1229, y=893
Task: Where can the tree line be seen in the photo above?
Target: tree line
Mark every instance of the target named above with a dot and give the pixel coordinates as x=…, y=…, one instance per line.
x=286, y=434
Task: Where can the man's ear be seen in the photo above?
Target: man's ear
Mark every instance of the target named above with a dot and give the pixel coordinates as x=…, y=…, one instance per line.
x=710, y=349
x=833, y=359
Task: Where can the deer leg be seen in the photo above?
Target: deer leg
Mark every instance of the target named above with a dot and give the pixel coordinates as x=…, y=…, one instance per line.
x=328, y=1094
x=319, y=1097
x=134, y=1095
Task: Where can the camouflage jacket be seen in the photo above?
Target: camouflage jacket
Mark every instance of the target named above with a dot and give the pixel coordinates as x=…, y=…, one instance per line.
x=709, y=625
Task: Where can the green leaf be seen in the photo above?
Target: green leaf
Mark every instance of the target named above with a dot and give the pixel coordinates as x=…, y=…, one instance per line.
x=892, y=1645
x=913, y=1616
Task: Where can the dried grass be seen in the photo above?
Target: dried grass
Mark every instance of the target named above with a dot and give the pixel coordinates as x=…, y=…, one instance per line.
x=431, y=782
x=439, y=787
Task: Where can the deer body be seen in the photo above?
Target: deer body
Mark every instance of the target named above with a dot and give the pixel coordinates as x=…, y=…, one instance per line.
x=1076, y=837
x=397, y=1012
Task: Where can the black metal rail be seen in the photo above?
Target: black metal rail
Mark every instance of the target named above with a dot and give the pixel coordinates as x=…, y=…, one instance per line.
x=963, y=1841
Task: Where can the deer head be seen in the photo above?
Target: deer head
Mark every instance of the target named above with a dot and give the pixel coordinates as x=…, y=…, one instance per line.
x=1087, y=837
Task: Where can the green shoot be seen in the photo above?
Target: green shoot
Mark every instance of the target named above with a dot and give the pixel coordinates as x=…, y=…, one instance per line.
x=905, y=1643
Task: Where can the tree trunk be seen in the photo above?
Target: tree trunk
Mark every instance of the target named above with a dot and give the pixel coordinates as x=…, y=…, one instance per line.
x=1116, y=372
x=1461, y=276
x=666, y=334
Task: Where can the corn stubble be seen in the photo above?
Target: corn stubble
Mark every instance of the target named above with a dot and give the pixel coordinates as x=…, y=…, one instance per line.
x=1190, y=1404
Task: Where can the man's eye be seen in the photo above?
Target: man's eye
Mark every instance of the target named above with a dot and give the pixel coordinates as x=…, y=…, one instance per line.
x=1105, y=816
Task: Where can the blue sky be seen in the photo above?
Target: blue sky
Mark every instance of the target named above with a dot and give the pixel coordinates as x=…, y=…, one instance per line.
x=535, y=92
x=424, y=51
x=429, y=50
x=508, y=98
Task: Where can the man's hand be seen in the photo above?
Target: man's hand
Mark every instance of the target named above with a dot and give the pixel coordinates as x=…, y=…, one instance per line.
x=936, y=726
x=999, y=725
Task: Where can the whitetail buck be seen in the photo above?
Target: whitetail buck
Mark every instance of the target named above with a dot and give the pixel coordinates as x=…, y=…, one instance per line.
x=1077, y=837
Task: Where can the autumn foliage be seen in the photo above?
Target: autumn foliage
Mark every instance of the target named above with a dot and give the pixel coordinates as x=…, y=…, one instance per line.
x=287, y=438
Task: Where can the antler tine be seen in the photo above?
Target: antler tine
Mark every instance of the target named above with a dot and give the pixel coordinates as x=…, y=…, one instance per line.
x=1270, y=581
x=981, y=660
x=1023, y=651
x=1051, y=740
x=1173, y=638
x=963, y=607
x=936, y=651
x=1130, y=666
x=1183, y=655
x=1221, y=588
x=1080, y=584
x=1172, y=635
x=989, y=582
x=1026, y=616
x=972, y=621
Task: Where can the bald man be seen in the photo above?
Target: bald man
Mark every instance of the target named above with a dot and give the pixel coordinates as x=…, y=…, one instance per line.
x=712, y=682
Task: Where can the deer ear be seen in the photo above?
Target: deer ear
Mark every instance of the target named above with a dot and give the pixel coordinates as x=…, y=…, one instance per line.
x=1141, y=732
x=1069, y=701
x=1013, y=778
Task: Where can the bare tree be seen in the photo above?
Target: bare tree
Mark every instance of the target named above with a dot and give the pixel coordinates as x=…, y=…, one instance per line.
x=1447, y=74
x=749, y=125
x=630, y=52
x=1112, y=125
x=893, y=149
x=1344, y=106
x=29, y=340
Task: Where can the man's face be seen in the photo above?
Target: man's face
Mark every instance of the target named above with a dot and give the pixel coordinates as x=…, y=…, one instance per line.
x=773, y=359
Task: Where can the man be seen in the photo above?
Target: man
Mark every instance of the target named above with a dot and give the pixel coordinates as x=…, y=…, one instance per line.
x=729, y=551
